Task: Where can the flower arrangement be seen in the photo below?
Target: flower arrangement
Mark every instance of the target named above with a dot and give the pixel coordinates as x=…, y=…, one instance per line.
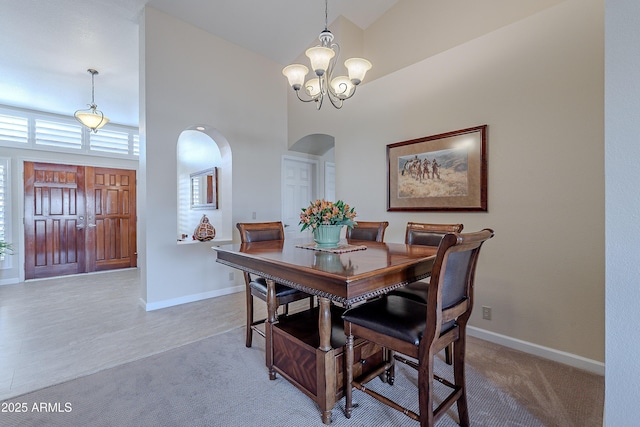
x=322, y=212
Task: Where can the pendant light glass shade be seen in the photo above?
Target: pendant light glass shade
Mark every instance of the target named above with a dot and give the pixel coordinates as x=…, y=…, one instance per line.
x=357, y=67
x=320, y=58
x=342, y=87
x=93, y=121
x=312, y=87
x=295, y=73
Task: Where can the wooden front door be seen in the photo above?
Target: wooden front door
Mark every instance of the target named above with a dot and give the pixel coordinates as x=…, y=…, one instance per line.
x=111, y=215
x=78, y=219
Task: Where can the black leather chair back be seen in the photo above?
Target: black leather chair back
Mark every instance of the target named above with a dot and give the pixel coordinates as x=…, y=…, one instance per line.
x=368, y=230
x=428, y=234
x=454, y=272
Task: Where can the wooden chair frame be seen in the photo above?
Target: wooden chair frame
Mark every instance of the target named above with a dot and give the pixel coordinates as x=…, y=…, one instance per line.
x=433, y=339
x=413, y=234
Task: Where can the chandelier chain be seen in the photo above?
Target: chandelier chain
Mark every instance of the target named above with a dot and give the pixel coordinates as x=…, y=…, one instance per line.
x=326, y=14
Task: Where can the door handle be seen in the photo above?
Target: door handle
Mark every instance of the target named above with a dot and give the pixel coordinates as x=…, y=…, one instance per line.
x=91, y=225
x=80, y=226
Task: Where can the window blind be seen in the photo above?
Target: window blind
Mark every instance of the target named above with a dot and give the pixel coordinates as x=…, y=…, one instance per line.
x=58, y=134
x=14, y=129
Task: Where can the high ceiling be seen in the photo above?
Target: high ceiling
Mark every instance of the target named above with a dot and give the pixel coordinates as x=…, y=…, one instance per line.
x=47, y=46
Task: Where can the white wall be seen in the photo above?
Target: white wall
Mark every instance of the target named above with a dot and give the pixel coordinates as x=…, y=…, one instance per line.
x=622, y=151
x=191, y=77
x=538, y=84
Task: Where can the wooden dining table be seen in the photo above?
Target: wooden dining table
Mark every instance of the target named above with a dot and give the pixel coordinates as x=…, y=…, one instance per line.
x=307, y=347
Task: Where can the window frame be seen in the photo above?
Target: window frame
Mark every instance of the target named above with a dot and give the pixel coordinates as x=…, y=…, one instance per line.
x=5, y=210
x=85, y=145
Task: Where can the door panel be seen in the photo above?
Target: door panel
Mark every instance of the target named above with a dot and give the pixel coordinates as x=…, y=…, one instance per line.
x=54, y=220
x=112, y=218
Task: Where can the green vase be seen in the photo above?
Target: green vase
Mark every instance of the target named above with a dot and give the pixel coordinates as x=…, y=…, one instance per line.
x=327, y=236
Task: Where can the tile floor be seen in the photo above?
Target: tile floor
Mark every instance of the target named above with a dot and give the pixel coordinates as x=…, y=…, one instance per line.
x=57, y=329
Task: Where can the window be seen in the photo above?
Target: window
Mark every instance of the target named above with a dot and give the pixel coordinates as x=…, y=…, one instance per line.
x=56, y=134
x=14, y=129
x=110, y=141
x=52, y=132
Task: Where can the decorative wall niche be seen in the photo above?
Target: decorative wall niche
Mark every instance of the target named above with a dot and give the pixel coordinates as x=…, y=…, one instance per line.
x=203, y=182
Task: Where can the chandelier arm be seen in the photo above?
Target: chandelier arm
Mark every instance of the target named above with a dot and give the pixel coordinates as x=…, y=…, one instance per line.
x=304, y=100
x=352, y=93
x=335, y=101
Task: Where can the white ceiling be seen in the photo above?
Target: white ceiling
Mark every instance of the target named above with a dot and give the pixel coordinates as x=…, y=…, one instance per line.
x=47, y=46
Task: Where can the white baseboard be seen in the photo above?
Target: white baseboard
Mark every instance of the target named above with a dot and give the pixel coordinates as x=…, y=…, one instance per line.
x=9, y=281
x=189, y=298
x=537, y=350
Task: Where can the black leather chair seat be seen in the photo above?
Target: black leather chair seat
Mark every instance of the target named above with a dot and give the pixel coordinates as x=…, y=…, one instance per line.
x=394, y=316
x=416, y=291
x=281, y=290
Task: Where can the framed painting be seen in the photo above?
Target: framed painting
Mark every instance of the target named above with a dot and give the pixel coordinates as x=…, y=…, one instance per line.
x=445, y=172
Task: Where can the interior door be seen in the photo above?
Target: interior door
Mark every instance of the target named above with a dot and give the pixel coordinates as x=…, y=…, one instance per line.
x=54, y=220
x=298, y=184
x=111, y=218
x=78, y=219
x=330, y=181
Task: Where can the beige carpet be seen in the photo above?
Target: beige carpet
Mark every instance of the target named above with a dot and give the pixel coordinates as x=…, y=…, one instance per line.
x=219, y=382
x=558, y=395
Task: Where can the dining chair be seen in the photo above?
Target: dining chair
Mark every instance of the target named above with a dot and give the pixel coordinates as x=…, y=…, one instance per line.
x=257, y=286
x=368, y=230
x=421, y=330
x=418, y=233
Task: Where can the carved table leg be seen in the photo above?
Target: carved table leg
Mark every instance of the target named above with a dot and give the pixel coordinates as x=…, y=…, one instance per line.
x=324, y=323
x=271, y=318
x=325, y=362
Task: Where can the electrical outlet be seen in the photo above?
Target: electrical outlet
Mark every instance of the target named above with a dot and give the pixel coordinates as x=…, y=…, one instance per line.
x=486, y=313
x=231, y=277
x=253, y=215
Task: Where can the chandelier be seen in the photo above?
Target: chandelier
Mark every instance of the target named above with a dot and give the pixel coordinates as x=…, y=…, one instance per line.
x=92, y=118
x=323, y=59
